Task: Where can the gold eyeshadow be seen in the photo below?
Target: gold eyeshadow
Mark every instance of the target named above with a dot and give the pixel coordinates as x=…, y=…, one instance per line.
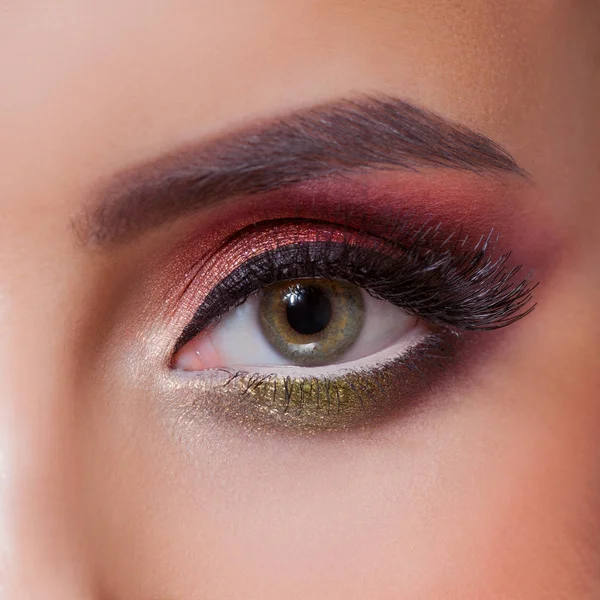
x=312, y=404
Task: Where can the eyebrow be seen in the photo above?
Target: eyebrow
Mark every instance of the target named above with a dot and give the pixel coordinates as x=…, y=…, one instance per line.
x=336, y=138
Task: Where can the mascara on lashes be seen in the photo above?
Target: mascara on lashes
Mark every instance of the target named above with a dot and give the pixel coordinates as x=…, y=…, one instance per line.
x=457, y=286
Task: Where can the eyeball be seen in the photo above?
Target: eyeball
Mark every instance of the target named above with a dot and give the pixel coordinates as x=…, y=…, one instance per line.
x=305, y=323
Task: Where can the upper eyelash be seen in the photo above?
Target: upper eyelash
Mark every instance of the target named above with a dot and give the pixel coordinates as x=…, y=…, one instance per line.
x=445, y=281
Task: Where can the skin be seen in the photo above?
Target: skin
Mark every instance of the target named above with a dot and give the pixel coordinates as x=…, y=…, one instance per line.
x=106, y=493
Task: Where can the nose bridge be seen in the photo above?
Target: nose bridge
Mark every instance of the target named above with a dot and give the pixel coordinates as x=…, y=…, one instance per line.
x=40, y=548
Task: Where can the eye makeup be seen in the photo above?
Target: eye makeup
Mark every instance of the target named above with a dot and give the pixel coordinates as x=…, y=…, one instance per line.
x=450, y=284
x=312, y=401
x=445, y=282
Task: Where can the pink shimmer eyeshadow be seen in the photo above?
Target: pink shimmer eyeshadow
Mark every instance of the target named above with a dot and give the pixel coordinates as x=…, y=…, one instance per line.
x=260, y=239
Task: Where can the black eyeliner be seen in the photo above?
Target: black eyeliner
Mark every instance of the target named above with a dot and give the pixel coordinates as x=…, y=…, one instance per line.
x=449, y=284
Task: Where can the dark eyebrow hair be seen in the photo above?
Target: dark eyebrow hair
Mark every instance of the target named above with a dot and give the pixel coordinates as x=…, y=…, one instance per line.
x=337, y=138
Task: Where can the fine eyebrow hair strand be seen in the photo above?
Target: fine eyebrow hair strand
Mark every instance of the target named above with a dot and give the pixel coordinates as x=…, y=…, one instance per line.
x=337, y=138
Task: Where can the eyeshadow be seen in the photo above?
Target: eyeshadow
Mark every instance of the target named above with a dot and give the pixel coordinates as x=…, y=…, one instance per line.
x=385, y=205
x=423, y=246
x=346, y=400
x=451, y=285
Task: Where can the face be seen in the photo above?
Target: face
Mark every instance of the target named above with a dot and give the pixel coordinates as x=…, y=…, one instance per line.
x=269, y=322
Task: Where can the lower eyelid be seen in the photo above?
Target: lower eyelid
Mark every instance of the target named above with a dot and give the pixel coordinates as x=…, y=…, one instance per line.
x=298, y=403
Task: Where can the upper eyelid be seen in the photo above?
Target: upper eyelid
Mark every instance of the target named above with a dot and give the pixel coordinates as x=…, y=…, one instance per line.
x=513, y=300
x=186, y=335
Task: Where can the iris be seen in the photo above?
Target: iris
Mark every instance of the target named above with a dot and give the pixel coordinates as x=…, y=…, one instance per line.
x=312, y=321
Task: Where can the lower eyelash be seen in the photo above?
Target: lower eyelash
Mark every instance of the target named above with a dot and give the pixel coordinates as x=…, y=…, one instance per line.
x=350, y=398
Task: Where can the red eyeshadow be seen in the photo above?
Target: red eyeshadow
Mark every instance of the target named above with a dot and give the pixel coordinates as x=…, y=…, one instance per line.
x=461, y=202
x=383, y=205
x=256, y=240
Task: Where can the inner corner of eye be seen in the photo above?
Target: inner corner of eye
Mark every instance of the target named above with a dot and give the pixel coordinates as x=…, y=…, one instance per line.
x=195, y=355
x=212, y=347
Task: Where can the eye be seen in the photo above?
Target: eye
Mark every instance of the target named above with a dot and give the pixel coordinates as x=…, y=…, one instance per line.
x=304, y=322
x=309, y=328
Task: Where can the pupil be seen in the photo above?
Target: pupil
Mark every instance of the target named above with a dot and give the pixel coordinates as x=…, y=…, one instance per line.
x=308, y=310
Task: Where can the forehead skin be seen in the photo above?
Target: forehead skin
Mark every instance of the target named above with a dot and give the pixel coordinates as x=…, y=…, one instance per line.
x=88, y=88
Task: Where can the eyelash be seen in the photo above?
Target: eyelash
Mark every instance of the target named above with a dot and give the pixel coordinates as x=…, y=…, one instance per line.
x=439, y=278
x=456, y=286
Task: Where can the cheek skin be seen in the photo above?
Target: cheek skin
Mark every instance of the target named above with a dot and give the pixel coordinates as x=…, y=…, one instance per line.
x=503, y=480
